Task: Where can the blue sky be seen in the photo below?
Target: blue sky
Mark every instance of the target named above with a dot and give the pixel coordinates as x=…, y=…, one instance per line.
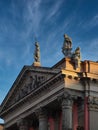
x=21, y=21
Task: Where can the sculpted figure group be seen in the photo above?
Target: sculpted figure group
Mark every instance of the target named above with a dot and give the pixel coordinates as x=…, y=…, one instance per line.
x=66, y=49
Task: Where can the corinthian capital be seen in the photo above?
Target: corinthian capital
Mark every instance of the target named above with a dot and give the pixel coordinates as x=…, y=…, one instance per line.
x=22, y=122
x=66, y=99
x=93, y=100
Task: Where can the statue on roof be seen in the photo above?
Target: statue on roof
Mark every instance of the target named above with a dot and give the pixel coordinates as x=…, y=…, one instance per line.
x=67, y=46
x=37, y=52
x=77, y=57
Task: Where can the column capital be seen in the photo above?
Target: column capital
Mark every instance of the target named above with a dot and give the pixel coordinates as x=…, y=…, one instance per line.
x=93, y=102
x=43, y=118
x=21, y=121
x=22, y=124
x=41, y=112
x=66, y=99
x=66, y=102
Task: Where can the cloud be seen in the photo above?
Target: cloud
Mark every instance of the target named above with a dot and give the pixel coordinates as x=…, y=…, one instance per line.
x=32, y=17
x=54, y=10
x=90, y=23
x=94, y=21
x=8, y=56
x=90, y=50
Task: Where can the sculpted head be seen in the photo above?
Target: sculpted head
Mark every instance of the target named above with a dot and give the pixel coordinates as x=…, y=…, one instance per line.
x=67, y=38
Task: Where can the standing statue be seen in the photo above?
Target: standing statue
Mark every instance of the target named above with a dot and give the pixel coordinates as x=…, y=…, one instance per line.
x=37, y=52
x=67, y=46
x=77, y=57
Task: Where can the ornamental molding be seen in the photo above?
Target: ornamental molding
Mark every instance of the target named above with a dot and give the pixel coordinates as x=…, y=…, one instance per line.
x=93, y=103
x=66, y=99
x=93, y=100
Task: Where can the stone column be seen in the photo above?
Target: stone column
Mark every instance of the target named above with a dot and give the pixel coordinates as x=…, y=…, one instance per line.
x=43, y=121
x=22, y=124
x=56, y=120
x=67, y=112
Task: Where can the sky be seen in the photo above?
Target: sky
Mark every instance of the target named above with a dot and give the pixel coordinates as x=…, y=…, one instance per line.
x=22, y=22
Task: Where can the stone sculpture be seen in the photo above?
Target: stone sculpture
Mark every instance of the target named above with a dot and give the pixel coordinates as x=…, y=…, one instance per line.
x=76, y=57
x=37, y=52
x=67, y=46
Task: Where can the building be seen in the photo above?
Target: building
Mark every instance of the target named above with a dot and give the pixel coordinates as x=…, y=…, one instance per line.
x=61, y=97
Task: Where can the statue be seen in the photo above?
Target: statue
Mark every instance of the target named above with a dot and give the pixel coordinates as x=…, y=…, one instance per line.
x=37, y=52
x=76, y=57
x=67, y=46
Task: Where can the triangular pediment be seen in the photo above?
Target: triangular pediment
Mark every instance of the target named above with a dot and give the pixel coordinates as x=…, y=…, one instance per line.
x=29, y=79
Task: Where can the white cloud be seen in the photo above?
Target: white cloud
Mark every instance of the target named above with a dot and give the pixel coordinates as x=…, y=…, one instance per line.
x=32, y=17
x=90, y=23
x=94, y=21
x=90, y=49
x=54, y=10
x=7, y=56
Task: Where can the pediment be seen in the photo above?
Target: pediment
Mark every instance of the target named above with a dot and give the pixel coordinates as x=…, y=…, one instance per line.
x=28, y=81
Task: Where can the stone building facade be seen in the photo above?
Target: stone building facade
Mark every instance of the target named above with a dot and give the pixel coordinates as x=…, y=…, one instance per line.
x=61, y=97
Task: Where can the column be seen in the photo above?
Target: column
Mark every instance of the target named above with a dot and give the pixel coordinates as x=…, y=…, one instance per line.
x=51, y=122
x=75, y=116
x=43, y=120
x=30, y=124
x=86, y=114
x=56, y=121
x=60, y=121
x=22, y=124
x=67, y=112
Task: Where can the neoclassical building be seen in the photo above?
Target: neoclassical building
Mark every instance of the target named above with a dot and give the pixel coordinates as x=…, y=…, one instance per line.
x=61, y=97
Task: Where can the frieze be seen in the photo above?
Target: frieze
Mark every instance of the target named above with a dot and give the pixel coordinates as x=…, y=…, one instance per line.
x=29, y=87
x=93, y=102
x=26, y=88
